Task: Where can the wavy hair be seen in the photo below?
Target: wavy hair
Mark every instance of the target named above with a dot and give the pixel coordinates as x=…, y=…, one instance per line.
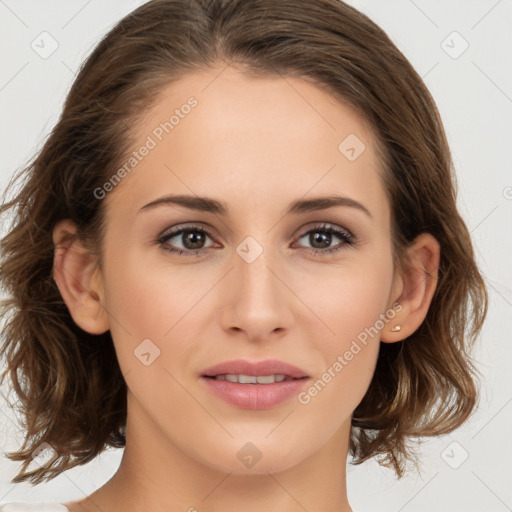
x=69, y=385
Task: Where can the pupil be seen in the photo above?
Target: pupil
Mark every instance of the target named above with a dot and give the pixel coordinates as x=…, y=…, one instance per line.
x=196, y=238
x=321, y=237
x=192, y=238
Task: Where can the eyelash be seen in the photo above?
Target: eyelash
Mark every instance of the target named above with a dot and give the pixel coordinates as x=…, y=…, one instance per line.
x=347, y=238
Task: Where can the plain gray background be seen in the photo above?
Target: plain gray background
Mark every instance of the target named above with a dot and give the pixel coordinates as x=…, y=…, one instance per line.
x=468, y=470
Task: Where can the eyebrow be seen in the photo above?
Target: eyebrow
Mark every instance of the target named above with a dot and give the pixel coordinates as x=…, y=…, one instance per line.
x=209, y=205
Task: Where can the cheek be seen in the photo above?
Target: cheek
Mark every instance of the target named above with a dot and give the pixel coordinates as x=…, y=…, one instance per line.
x=351, y=304
x=158, y=301
x=347, y=298
x=148, y=299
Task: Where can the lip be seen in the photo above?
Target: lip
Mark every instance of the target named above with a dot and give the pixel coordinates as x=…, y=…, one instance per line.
x=255, y=368
x=255, y=396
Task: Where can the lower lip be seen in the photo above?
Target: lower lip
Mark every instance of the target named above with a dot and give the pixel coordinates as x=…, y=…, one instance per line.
x=255, y=396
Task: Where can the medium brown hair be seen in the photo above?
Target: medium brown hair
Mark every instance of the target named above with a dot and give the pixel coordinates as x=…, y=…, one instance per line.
x=69, y=383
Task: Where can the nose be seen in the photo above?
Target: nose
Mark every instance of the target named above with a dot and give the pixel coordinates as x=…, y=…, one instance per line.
x=257, y=300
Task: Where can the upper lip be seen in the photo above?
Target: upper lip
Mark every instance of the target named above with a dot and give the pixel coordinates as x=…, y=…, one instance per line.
x=255, y=368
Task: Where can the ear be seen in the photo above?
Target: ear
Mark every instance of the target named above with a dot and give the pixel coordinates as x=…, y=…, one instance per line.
x=414, y=288
x=79, y=279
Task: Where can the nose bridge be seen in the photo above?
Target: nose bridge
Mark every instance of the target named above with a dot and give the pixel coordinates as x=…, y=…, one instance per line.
x=258, y=301
x=253, y=264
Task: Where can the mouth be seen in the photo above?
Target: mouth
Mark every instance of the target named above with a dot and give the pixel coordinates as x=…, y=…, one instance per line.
x=253, y=379
x=255, y=385
x=254, y=395
x=244, y=371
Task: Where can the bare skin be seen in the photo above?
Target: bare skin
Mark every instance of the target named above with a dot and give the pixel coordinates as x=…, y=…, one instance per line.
x=257, y=145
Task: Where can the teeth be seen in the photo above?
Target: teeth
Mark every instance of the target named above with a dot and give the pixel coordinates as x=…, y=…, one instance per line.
x=250, y=379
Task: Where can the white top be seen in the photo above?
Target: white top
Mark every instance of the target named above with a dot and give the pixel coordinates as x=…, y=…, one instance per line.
x=33, y=507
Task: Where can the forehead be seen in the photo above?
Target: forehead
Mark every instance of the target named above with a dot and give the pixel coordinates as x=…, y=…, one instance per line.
x=266, y=140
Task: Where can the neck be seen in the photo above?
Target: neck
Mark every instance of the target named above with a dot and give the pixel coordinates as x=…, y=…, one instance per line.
x=156, y=475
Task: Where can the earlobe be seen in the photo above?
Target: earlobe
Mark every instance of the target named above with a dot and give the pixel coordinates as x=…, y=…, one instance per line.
x=79, y=280
x=418, y=285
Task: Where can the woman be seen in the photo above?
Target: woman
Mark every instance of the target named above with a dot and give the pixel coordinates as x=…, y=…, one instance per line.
x=238, y=256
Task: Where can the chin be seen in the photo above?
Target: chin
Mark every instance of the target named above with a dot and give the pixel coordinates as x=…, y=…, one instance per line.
x=257, y=457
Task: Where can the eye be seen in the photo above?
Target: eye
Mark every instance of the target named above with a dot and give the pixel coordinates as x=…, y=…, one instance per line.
x=321, y=237
x=191, y=237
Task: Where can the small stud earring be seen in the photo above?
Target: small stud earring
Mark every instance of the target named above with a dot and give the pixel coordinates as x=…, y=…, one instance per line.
x=396, y=328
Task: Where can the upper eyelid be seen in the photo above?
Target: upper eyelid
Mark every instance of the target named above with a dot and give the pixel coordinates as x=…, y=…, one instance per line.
x=323, y=225
x=176, y=230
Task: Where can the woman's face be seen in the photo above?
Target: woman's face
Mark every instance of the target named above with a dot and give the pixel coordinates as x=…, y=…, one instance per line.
x=258, y=281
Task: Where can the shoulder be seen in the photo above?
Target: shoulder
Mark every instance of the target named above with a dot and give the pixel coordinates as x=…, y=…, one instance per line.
x=33, y=507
